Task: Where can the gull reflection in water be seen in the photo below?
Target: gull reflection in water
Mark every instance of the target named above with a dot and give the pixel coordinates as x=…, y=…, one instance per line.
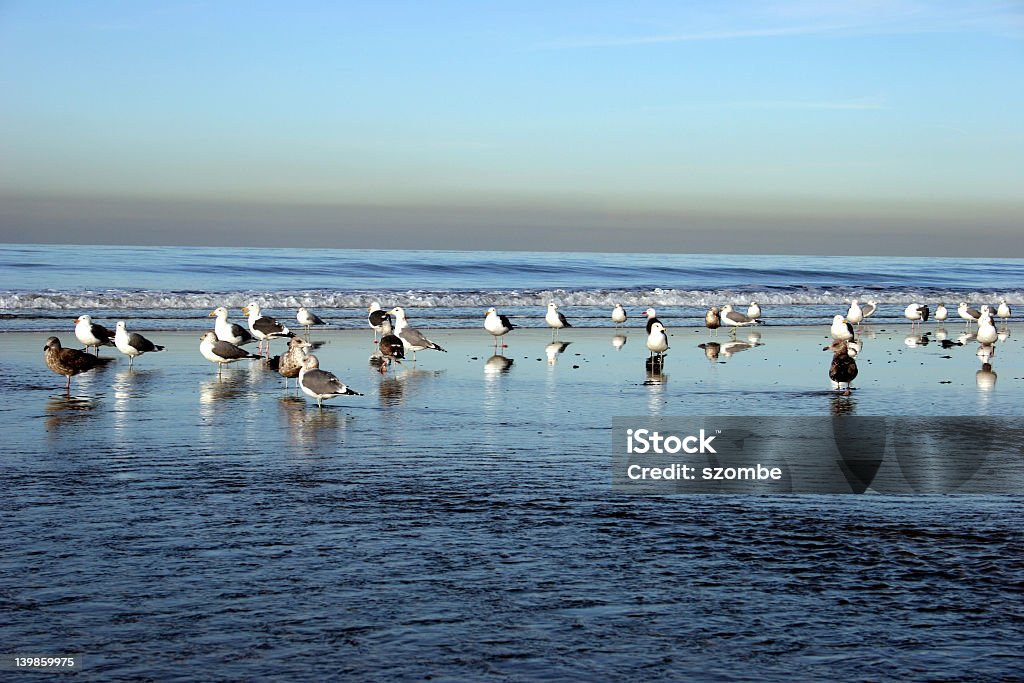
x=129, y=384
x=312, y=428
x=497, y=365
x=67, y=411
x=655, y=379
x=554, y=349
x=730, y=348
x=711, y=350
x=618, y=341
x=394, y=389
x=986, y=377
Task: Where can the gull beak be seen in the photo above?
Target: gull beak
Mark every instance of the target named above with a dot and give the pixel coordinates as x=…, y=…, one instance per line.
x=213, y=313
x=245, y=309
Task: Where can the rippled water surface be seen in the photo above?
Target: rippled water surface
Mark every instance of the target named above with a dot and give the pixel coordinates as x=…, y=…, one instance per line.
x=457, y=523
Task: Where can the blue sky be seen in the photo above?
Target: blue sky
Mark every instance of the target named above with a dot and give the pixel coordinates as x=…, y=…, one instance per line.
x=667, y=109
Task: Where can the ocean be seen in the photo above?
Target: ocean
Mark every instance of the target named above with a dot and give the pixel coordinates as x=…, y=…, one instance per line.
x=458, y=520
x=175, y=287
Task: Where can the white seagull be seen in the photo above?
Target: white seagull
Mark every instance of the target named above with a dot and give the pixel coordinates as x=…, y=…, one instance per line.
x=618, y=314
x=986, y=331
x=916, y=313
x=412, y=338
x=868, y=309
x=554, y=319
x=321, y=384
x=652, y=317
x=1003, y=310
x=855, y=314
x=735, y=319
x=753, y=310
x=263, y=327
x=967, y=313
x=941, y=313
x=92, y=334
x=841, y=329
x=132, y=344
x=375, y=317
x=229, y=331
x=307, y=319
x=497, y=324
x=221, y=352
x=657, y=340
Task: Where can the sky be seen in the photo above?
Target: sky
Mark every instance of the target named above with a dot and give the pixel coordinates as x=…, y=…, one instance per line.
x=888, y=127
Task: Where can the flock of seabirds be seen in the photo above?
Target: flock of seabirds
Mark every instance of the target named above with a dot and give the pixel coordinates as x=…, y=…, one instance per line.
x=396, y=338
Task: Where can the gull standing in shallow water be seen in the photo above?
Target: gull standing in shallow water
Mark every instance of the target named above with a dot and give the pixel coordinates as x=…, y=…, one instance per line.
x=497, y=324
x=290, y=363
x=841, y=329
x=376, y=317
x=321, y=384
x=221, y=352
x=554, y=319
x=618, y=314
x=967, y=313
x=69, y=362
x=390, y=348
x=657, y=340
x=941, y=313
x=855, y=314
x=843, y=369
x=868, y=309
x=916, y=313
x=265, y=328
x=307, y=319
x=753, y=310
x=712, y=320
x=92, y=334
x=229, y=331
x=412, y=338
x=735, y=319
x=132, y=344
x=1003, y=310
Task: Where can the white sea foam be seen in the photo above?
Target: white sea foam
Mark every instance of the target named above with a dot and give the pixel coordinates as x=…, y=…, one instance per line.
x=155, y=300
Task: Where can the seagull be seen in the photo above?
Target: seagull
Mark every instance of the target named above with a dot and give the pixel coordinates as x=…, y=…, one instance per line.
x=376, y=317
x=306, y=318
x=91, y=334
x=843, y=369
x=712, y=320
x=390, y=348
x=412, y=338
x=652, y=317
x=290, y=362
x=221, y=352
x=986, y=331
x=554, y=319
x=497, y=324
x=735, y=319
x=132, y=344
x=967, y=313
x=753, y=310
x=941, y=313
x=916, y=313
x=321, y=384
x=657, y=340
x=618, y=314
x=855, y=315
x=228, y=331
x=1003, y=310
x=841, y=329
x=868, y=309
x=69, y=362
x=265, y=328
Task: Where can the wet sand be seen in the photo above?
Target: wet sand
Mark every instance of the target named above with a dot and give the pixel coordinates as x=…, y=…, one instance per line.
x=457, y=520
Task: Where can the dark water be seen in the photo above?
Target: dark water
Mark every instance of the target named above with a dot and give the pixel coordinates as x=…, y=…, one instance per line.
x=457, y=523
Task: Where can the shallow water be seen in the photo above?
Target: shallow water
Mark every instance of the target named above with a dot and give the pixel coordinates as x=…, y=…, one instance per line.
x=457, y=521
